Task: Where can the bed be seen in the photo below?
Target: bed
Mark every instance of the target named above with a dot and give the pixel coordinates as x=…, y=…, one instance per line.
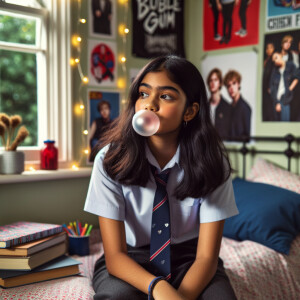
x=261, y=251
x=261, y=246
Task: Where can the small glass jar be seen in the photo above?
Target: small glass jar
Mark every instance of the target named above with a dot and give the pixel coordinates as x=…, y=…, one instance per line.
x=49, y=156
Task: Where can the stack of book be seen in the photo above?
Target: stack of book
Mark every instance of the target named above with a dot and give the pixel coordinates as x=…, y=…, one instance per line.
x=32, y=252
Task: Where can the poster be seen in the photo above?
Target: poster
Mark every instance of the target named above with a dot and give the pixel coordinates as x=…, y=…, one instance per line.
x=281, y=56
x=236, y=86
x=157, y=28
x=102, y=63
x=103, y=108
x=102, y=18
x=230, y=25
x=282, y=15
x=133, y=72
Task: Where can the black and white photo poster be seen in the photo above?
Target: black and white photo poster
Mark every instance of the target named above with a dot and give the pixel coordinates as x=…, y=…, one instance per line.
x=157, y=28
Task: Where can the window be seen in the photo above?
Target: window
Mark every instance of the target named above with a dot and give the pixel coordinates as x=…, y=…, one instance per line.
x=35, y=75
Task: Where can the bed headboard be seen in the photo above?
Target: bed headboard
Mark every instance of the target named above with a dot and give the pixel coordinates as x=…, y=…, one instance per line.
x=248, y=146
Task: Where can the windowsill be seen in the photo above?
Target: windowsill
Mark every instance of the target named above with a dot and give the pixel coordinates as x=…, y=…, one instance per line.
x=43, y=175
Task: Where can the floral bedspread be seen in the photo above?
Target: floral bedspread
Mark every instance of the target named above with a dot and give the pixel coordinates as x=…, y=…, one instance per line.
x=260, y=273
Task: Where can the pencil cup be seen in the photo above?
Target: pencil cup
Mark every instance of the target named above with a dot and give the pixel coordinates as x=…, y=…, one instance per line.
x=79, y=245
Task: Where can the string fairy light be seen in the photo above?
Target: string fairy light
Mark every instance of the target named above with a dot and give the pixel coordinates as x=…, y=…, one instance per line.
x=123, y=33
x=79, y=107
x=76, y=40
x=75, y=167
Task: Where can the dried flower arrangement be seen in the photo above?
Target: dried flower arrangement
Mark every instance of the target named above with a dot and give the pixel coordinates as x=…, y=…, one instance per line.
x=8, y=125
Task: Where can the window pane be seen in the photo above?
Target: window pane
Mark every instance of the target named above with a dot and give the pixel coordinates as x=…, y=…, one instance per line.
x=29, y=3
x=17, y=30
x=18, y=89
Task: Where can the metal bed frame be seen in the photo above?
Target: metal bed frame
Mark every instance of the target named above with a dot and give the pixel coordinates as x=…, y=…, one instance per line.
x=247, y=148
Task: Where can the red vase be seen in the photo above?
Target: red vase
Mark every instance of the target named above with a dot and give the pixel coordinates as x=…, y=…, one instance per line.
x=49, y=157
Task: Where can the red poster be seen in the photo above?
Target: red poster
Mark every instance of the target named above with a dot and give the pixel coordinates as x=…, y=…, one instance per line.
x=230, y=24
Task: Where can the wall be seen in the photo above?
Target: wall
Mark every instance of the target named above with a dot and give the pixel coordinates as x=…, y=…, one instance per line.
x=53, y=201
x=195, y=53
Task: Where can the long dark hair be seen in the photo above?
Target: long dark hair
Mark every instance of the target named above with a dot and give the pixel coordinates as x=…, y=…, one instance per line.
x=202, y=154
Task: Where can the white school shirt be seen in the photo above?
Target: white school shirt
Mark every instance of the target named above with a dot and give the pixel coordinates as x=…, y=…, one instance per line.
x=133, y=204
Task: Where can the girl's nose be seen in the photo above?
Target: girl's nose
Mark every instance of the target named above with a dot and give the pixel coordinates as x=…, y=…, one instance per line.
x=152, y=105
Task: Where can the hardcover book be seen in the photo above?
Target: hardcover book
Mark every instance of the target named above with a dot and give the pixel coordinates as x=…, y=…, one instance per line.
x=33, y=261
x=23, y=232
x=60, y=267
x=30, y=248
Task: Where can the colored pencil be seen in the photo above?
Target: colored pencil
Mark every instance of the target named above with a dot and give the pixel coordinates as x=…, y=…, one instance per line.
x=84, y=229
x=89, y=230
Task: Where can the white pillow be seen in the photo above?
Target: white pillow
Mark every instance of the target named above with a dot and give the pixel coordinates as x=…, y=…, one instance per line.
x=265, y=172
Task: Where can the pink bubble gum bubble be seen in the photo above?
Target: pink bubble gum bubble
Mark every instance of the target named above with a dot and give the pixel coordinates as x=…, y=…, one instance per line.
x=145, y=122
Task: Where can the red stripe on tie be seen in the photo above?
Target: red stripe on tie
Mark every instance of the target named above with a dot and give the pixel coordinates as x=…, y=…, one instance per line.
x=160, y=203
x=168, y=277
x=161, y=181
x=160, y=250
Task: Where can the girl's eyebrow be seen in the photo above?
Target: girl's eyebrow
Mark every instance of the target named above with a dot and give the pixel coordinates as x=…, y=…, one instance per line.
x=166, y=87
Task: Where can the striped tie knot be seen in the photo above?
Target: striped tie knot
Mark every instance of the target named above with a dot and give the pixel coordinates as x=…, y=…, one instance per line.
x=162, y=177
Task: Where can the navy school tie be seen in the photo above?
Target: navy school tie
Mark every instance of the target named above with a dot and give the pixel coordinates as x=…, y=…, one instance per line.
x=160, y=231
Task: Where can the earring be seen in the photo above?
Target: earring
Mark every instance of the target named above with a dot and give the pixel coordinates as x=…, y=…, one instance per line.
x=185, y=124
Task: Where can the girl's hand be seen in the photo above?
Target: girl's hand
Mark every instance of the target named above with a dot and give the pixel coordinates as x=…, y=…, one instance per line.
x=163, y=290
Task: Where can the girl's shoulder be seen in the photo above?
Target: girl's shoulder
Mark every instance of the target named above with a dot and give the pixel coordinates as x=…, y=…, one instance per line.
x=101, y=154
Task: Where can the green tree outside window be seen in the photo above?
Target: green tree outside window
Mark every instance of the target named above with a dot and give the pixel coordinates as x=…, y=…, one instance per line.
x=18, y=74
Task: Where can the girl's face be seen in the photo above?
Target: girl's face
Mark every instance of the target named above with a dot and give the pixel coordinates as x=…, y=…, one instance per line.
x=165, y=98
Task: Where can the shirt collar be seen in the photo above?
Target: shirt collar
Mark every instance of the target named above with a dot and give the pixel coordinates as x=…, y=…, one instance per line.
x=174, y=160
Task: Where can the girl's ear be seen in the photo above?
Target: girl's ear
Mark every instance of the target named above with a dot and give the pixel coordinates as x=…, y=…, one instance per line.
x=191, y=112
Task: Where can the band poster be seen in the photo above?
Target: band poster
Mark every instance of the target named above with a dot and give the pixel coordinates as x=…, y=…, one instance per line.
x=102, y=63
x=282, y=15
x=103, y=108
x=231, y=84
x=231, y=23
x=102, y=18
x=281, y=77
x=157, y=28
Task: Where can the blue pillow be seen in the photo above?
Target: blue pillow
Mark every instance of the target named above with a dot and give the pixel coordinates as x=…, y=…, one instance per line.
x=269, y=215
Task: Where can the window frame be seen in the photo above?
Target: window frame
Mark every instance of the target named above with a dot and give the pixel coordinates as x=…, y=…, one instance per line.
x=54, y=77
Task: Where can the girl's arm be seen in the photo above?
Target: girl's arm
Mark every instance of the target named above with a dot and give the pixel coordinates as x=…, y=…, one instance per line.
x=205, y=265
x=120, y=265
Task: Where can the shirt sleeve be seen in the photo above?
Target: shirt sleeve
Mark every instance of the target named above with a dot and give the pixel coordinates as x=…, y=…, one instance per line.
x=220, y=204
x=296, y=73
x=105, y=196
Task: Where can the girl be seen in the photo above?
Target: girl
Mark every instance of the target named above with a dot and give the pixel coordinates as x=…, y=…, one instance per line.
x=199, y=192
